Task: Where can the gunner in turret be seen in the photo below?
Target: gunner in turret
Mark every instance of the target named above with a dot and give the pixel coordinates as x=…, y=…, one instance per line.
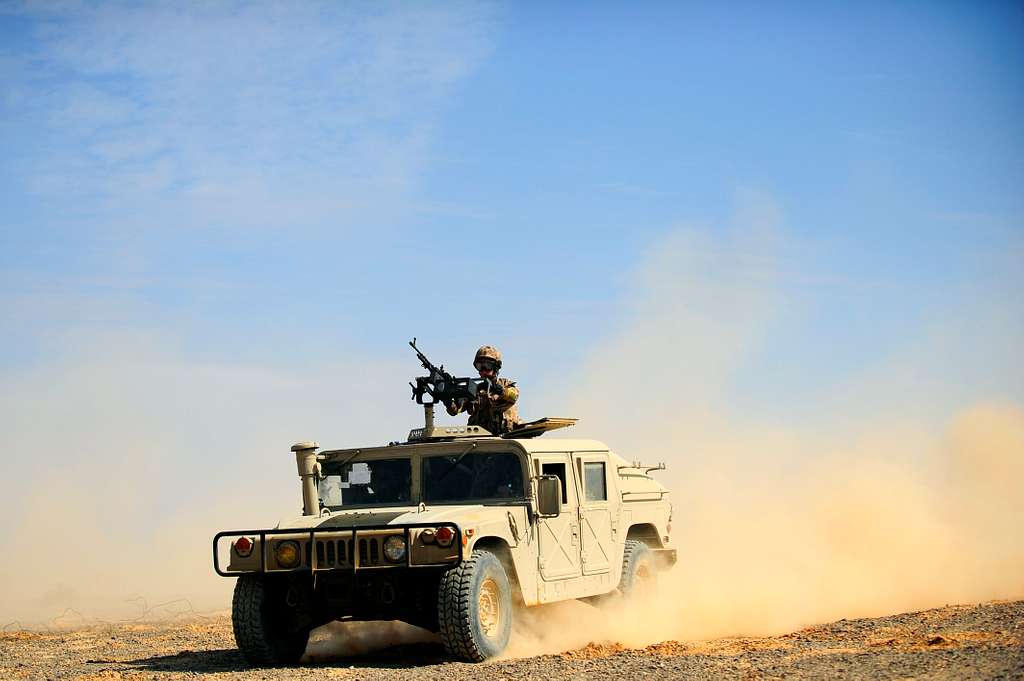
x=495, y=412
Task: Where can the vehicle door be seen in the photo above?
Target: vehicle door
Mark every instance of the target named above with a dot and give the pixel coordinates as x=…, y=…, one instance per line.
x=559, y=537
x=597, y=534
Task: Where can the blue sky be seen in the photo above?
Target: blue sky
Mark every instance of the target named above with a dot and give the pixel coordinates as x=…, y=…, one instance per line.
x=236, y=168
x=222, y=222
x=275, y=186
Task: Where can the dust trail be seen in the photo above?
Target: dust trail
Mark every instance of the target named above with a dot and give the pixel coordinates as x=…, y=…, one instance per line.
x=762, y=555
x=887, y=492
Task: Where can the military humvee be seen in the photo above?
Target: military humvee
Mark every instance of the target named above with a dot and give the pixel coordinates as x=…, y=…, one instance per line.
x=453, y=531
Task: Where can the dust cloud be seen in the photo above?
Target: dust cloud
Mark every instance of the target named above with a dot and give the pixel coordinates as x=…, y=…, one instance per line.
x=882, y=491
x=763, y=553
x=126, y=458
x=799, y=496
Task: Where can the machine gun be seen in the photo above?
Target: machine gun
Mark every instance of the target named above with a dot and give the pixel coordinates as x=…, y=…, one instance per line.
x=441, y=386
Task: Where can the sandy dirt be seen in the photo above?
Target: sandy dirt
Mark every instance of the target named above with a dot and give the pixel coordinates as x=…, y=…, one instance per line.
x=978, y=642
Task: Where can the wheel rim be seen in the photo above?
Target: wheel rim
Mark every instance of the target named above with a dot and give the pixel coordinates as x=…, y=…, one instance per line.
x=489, y=607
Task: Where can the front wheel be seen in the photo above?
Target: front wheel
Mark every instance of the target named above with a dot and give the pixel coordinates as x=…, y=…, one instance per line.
x=474, y=608
x=265, y=631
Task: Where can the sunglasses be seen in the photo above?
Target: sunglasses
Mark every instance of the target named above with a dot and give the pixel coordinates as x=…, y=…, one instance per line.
x=486, y=366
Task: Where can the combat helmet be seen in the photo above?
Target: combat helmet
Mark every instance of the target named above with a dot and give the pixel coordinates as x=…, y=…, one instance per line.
x=488, y=352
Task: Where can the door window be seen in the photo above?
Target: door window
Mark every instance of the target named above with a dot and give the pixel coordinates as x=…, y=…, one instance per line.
x=594, y=481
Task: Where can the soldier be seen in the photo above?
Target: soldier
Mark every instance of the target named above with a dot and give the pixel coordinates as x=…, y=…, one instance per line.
x=495, y=412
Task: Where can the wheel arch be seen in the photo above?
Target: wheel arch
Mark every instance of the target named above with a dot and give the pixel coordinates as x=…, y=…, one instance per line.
x=646, y=533
x=500, y=548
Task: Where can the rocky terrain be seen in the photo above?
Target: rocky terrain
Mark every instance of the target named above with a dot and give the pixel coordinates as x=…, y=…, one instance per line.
x=956, y=642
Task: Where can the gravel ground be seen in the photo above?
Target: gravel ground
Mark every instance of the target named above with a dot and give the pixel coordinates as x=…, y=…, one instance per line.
x=977, y=642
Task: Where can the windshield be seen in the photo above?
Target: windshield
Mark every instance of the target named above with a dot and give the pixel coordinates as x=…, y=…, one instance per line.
x=374, y=483
x=476, y=476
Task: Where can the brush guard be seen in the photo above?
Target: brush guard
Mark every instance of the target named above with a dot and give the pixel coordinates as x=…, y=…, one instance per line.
x=315, y=537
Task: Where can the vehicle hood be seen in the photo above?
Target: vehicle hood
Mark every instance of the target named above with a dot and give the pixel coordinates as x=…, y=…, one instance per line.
x=458, y=514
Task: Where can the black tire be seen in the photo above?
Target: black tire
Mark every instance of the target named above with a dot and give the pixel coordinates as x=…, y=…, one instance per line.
x=466, y=599
x=639, y=571
x=262, y=625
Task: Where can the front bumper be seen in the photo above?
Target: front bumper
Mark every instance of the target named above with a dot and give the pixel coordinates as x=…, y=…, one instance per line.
x=333, y=548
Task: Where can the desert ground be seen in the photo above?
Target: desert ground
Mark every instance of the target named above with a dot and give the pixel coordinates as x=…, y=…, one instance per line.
x=983, y=641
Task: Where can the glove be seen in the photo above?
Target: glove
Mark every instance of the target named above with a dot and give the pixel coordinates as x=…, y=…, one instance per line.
x=495, y=389
x=454, y=406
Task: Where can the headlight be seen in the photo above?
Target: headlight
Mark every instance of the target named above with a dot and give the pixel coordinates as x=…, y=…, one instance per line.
x=287, y=554
x=394, y=548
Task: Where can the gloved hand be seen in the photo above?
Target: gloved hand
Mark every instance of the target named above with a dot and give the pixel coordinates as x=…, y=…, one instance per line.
x=454, y=406
x=495, y=389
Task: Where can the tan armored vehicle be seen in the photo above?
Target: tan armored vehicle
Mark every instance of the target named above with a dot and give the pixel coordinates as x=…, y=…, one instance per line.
x=452, y=530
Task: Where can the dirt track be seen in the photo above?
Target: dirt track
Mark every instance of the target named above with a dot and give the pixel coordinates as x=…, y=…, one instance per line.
x=983, y=641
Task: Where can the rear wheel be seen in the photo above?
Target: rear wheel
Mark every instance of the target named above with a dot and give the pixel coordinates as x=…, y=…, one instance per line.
x=265, y=630
x=474, y=607
x=639, y=572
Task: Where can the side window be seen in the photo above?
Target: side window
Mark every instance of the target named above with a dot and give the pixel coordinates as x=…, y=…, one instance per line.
x=594, y=481
x=559, y=470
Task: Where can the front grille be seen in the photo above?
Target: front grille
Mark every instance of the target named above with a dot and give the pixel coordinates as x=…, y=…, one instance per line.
x=330, y=553
x=369, y=551
x=344, y=552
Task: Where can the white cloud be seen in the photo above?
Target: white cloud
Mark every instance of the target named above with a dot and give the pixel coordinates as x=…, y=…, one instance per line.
x=275, y=106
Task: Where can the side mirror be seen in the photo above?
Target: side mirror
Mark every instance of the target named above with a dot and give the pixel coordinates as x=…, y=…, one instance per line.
x=549, y=496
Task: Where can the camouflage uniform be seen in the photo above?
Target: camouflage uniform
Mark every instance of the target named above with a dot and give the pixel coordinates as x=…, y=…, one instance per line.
x=495, y=413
